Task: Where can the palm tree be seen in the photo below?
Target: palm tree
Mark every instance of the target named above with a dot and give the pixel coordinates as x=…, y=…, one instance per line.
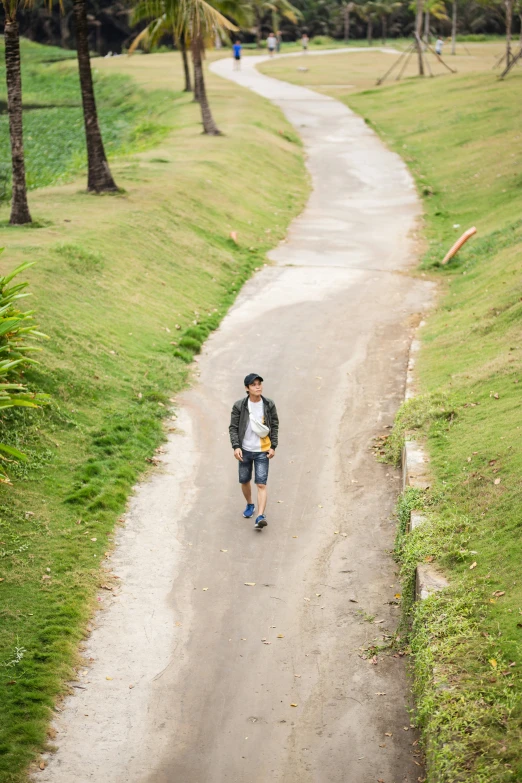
x=159, y=27
x=195, y=22
x=182, y=45
x=99, y=177
x=347, y=10
x=509, y=25
x=19, y=207
x=435, y=8
x=259, y=9
x=368, y=13
x=384, y=9
x=454, y=27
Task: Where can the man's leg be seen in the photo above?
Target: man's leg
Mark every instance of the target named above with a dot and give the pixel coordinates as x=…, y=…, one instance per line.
x=247, y=491
x=261, y=498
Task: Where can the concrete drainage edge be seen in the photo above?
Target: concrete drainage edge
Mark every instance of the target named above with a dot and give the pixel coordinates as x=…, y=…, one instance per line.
x=416, y=473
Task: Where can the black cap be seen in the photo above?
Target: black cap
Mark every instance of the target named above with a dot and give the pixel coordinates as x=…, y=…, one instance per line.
x=251, y=377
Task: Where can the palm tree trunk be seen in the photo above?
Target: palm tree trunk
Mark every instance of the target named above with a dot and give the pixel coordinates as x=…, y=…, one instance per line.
x=259, y=28
x=427, y=28
x=454, y=28
x=19, y=208
x=186, y=66
x=383, y=28
x=209, y=126
x=509, y=25
x=520, y=39
x=99, y=178
x=347, y=23
x=418, y=32
x=370, y=31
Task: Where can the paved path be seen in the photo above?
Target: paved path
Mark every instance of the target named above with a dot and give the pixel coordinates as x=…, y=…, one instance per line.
x=183, y=687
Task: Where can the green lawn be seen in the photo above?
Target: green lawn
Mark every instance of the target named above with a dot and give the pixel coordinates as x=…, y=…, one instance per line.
x=54, y=141
x=116, y=276
x=461, y=138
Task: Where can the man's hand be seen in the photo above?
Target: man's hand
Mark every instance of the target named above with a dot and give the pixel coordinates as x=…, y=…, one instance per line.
x=271, y=453
x=238, y=454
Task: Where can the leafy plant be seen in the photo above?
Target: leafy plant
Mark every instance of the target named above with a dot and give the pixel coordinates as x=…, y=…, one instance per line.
x=17, y=332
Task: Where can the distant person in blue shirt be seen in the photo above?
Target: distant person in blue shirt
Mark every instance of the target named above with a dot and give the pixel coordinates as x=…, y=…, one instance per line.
x=236, y=53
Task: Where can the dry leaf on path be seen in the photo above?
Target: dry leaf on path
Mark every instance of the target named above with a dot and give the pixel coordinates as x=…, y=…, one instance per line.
x=205, y=589
x=223, y=550
x=280, y=636
x=250, y=584
x=388, y=734
x=293, y=704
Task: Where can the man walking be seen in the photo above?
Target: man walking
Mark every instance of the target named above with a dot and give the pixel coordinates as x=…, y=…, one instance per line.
x=254, y=429
x=236, y=53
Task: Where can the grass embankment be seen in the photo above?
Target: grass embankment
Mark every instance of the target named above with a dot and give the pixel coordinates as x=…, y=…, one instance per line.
x=461, y=138
x=114, y=277
x=54, y=138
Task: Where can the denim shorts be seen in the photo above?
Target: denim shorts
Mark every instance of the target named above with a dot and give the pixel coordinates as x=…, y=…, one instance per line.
x=260, y=461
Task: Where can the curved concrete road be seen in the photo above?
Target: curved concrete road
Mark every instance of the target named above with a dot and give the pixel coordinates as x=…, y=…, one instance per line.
x=196, y=677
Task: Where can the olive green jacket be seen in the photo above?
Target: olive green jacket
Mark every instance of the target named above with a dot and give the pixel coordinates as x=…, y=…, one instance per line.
x=239, y=420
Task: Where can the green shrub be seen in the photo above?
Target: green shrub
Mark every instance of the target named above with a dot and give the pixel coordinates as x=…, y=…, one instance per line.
x=17, y=332
x=190, y=344
x=322, y=40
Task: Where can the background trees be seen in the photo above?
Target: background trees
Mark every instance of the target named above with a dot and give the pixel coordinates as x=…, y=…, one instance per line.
x=110, y=27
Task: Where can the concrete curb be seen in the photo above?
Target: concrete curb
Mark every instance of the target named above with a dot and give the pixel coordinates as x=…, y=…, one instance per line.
x=415, y=462
x=428, y=580
x=416, y=473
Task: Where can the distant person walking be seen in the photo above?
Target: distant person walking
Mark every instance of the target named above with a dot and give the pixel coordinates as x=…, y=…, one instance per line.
x=236, y=54
x=271, y=43
x=438, y=45
x=279, y=37
x=304, y=42
x=254, y=430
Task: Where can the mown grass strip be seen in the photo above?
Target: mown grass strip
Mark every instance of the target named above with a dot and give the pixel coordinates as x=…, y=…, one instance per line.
x=115, y=277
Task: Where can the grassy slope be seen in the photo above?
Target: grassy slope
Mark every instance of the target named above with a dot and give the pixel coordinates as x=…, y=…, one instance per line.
x=341, y=73
x=462, y=140
x=114, y=277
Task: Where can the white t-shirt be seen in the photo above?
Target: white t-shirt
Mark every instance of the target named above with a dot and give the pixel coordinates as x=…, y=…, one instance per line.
x=271, y=41
x=251, y=441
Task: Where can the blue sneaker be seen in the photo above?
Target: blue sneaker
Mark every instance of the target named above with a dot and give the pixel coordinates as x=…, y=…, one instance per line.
x=249, y=511
x=260, y=522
